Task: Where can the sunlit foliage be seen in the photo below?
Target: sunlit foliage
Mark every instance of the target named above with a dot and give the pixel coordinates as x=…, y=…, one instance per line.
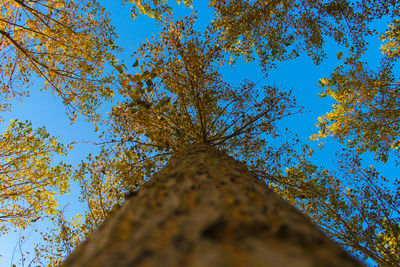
x=65, y=42
x=29, y=182
x=280, y=30
x=353, y=204
x=366, y=113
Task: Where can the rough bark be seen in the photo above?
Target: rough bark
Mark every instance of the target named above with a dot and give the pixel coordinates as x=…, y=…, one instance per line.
x=206, y=209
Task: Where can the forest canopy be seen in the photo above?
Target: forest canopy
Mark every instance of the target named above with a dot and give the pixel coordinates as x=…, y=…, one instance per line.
x=149, y=101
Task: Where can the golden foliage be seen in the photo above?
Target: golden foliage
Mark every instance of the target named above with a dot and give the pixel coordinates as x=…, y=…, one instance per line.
x=29, y=182
x=64, y=42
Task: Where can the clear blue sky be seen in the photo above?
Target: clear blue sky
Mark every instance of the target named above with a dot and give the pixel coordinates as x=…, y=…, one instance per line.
x=300, y=75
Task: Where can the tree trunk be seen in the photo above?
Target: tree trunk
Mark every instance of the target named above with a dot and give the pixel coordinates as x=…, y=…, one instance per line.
x=206, y=209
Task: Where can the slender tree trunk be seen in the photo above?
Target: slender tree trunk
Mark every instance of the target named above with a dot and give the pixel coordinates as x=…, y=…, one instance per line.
x=206, y=209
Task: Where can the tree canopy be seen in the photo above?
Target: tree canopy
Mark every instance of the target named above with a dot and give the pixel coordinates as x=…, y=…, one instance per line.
x=64, y=42
x=29, y=182
x=176, y=94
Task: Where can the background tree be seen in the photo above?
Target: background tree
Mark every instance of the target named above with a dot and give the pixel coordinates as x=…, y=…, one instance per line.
x=281, y=30
x=64, y=42
x=366, y=114
x=353, y=204
x=29, y=180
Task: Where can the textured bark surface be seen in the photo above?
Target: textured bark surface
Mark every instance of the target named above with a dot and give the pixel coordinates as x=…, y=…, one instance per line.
x=206, y=209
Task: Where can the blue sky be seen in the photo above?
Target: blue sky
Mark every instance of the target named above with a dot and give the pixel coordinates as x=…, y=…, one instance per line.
x=300, y=75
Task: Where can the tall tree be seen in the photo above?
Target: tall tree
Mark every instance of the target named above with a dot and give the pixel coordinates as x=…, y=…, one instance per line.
x=246, y=28
x=206, y=209
x=179, y=97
